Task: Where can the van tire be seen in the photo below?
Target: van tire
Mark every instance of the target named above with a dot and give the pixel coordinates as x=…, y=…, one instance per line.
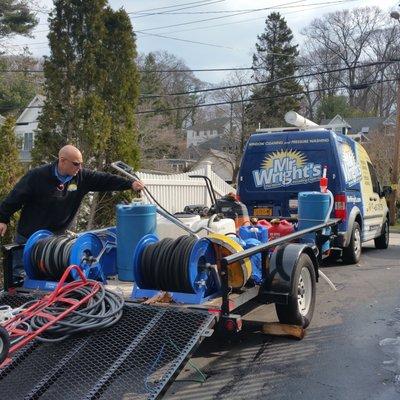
x=300, y=307
x=382, y=241
x=352, y=253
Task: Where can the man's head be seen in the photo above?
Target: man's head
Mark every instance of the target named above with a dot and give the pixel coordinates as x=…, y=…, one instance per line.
x=69, y=160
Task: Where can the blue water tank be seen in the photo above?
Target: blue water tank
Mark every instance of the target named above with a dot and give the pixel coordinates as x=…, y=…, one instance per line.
x=133, y=222
x=258, y=232
x=312, y=210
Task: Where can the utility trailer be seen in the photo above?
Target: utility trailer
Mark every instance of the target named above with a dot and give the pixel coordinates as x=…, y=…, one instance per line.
x=139, y=357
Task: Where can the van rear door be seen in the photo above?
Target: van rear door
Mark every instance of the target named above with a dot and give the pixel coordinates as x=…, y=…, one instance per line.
x=277, y=166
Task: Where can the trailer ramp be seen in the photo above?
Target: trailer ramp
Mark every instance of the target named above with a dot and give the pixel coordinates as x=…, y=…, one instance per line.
x=135, y=359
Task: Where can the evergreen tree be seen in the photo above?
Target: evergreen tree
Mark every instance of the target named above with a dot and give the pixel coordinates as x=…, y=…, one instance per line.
x=91, y=88
x=16, y=18
x=120, y=93
x=275, y=58
x=11, y=170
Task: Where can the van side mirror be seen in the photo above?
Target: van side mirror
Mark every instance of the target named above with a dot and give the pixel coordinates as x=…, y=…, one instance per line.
x=386, y=191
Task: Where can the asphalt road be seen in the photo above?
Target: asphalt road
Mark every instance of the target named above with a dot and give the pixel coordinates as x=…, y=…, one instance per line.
x=351, y=350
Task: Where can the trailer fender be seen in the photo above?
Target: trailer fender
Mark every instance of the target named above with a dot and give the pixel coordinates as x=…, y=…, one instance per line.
x=281, y=269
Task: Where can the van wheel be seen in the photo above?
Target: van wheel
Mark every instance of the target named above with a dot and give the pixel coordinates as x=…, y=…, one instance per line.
x=352, y=253
x=300, y=309
x=382, y=241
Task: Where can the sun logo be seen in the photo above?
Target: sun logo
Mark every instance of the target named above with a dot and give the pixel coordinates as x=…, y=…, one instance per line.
x=299, y=158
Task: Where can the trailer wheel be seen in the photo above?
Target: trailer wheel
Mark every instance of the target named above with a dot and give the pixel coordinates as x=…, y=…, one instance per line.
x=4, y=344
x=382, y=241
x=300, y=308
x=352, y=253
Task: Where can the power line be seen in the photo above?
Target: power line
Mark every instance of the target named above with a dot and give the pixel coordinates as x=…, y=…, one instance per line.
x=266, y=82
x=170, y=6
x=271, y=82
x=248, y=9
x=221, y=17
x=184, y=40
x=259, y=98
x=235, y=101
x=177, y=9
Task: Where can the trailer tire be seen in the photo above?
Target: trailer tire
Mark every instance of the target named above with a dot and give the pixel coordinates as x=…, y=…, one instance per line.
x=300, y=307
x=4, y=344
x=352, y=253
x=382, y=241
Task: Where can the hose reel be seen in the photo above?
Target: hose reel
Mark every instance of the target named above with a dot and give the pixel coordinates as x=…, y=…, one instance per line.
x=47, y=256
x=187, y=265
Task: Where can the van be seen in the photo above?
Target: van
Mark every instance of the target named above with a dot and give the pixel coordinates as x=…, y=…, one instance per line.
x=276, y=166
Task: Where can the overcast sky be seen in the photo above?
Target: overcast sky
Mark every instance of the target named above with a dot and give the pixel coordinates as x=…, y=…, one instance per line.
x=226, y=41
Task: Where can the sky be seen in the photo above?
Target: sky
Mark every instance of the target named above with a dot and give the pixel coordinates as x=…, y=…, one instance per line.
x=205, y=35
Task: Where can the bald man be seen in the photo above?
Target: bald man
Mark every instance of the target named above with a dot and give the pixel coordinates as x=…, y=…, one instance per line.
x=49, y=196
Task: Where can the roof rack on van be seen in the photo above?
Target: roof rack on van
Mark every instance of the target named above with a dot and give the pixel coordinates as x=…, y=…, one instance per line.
x=298, y=129
x=300, y=124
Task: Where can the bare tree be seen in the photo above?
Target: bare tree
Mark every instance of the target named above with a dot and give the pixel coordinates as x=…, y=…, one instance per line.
x=345, y=39
x=235, y=137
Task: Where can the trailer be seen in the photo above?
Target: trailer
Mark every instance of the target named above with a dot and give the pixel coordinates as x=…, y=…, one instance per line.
x=141, y=355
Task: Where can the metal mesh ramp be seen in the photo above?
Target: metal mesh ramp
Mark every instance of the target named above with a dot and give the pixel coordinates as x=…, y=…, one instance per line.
x=135, y=359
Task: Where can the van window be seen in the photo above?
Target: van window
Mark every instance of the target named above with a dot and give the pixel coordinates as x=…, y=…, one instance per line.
x=375, y=183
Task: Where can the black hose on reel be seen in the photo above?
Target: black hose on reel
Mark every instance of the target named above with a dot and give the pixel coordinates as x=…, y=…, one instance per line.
x=164, y=265
x=50, y=256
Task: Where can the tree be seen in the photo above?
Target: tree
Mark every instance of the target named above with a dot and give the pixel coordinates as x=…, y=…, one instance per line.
x=344, y=39
x=159, y=79
x=275, y=59
x=16, y=18
x=91, y=88
x=331, y=106
x=17, y=89
x=11, y=170
x=235, y=138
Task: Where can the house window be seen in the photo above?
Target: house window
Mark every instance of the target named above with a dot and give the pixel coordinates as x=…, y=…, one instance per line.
x=28, y=141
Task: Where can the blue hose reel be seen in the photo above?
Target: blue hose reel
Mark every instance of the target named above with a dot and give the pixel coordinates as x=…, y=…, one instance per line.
x=201, y=277
x=94, y=253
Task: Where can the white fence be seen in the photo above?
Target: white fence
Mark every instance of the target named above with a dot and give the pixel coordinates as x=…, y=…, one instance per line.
x=176, y=191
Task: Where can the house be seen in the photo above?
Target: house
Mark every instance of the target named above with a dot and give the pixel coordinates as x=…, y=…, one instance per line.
x=358, y=128
x=221, y=164
x=26, y=126
x=204, y=131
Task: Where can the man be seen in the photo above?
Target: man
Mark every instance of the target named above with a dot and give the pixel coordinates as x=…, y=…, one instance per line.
x=49, y=196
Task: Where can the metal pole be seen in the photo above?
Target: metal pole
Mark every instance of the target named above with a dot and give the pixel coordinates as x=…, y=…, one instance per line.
x=395, y=167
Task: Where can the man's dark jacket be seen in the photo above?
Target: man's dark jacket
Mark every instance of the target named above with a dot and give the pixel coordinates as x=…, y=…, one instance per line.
x=48, y=204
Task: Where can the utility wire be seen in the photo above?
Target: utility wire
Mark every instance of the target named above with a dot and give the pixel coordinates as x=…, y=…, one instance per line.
x=220, y=17
x=266, y=82
x=260, y=98
x=173, y=12
x=250, y=9
x=184, y=40
x=365, y=85
x=170, y=6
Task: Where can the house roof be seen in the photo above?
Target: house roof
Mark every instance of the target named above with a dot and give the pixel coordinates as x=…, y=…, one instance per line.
x=356, y=124
x=214, y=124
x=37, y=101
x=213, y=143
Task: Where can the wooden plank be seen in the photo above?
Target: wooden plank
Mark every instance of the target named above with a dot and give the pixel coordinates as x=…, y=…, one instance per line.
x=277, y=329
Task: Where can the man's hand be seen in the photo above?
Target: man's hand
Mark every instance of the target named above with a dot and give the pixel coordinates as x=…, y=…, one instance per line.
x=3, y=229
x=137, y=185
